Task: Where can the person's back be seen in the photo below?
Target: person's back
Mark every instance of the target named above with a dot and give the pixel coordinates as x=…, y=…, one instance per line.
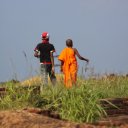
x=69, y=63
x=68, y=57
x=45, y=50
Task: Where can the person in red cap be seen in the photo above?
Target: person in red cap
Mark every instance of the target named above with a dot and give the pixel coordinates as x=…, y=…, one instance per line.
x=44, y=51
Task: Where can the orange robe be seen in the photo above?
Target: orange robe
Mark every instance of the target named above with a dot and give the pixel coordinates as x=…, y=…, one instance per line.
x=69, y=67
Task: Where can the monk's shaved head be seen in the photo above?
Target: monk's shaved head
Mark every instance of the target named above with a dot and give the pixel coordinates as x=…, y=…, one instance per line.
x=69, y=42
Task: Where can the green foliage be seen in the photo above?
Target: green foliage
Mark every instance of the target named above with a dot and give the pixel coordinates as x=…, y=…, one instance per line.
x=16, y=97
x=76, y=104
x=110, y=87
x=79, y=103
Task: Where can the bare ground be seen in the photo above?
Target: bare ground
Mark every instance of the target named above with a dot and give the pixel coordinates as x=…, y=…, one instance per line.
x=25, y=119
x=33, y=118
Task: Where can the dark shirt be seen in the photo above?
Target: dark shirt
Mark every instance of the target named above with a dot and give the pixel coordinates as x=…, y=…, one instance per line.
x=45, y=49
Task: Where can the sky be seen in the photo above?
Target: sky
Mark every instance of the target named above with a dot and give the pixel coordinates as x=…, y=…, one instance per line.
x=98, y=28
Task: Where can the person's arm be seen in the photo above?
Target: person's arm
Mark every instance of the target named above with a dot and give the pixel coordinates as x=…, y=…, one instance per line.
x=36, y=51
x=52, y=50
x=52, y=60
x=61, y=66
x=79, y=56
x=62, y=59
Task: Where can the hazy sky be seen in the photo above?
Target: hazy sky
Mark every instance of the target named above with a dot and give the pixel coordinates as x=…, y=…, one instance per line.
x=99, y=29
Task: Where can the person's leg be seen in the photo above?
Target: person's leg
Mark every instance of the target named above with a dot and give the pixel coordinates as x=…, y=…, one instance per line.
x=73, y=74
x=67, y=79
x=44, y=74
x=73, y=77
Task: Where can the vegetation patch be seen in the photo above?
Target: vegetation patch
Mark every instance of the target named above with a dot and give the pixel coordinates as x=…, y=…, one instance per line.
x=80, y=103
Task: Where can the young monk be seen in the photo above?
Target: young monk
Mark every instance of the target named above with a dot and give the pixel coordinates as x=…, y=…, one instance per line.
x=69, y=63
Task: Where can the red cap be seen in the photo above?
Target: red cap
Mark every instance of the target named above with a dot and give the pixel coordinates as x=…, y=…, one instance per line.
x=45, y=35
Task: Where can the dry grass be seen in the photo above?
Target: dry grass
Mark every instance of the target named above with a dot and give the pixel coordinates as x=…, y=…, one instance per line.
x=31, y=81
x=36, y=80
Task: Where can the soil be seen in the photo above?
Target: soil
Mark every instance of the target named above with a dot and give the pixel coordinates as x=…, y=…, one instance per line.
x=36, y=118
x=25, y=119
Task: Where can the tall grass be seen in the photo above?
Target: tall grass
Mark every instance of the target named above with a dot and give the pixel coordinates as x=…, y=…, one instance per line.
x=16, y=97
x=79, y=104
x=112, y=87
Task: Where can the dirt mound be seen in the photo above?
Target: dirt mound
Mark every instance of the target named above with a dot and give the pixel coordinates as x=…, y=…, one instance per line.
x=24, y=119
x=34, y=119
